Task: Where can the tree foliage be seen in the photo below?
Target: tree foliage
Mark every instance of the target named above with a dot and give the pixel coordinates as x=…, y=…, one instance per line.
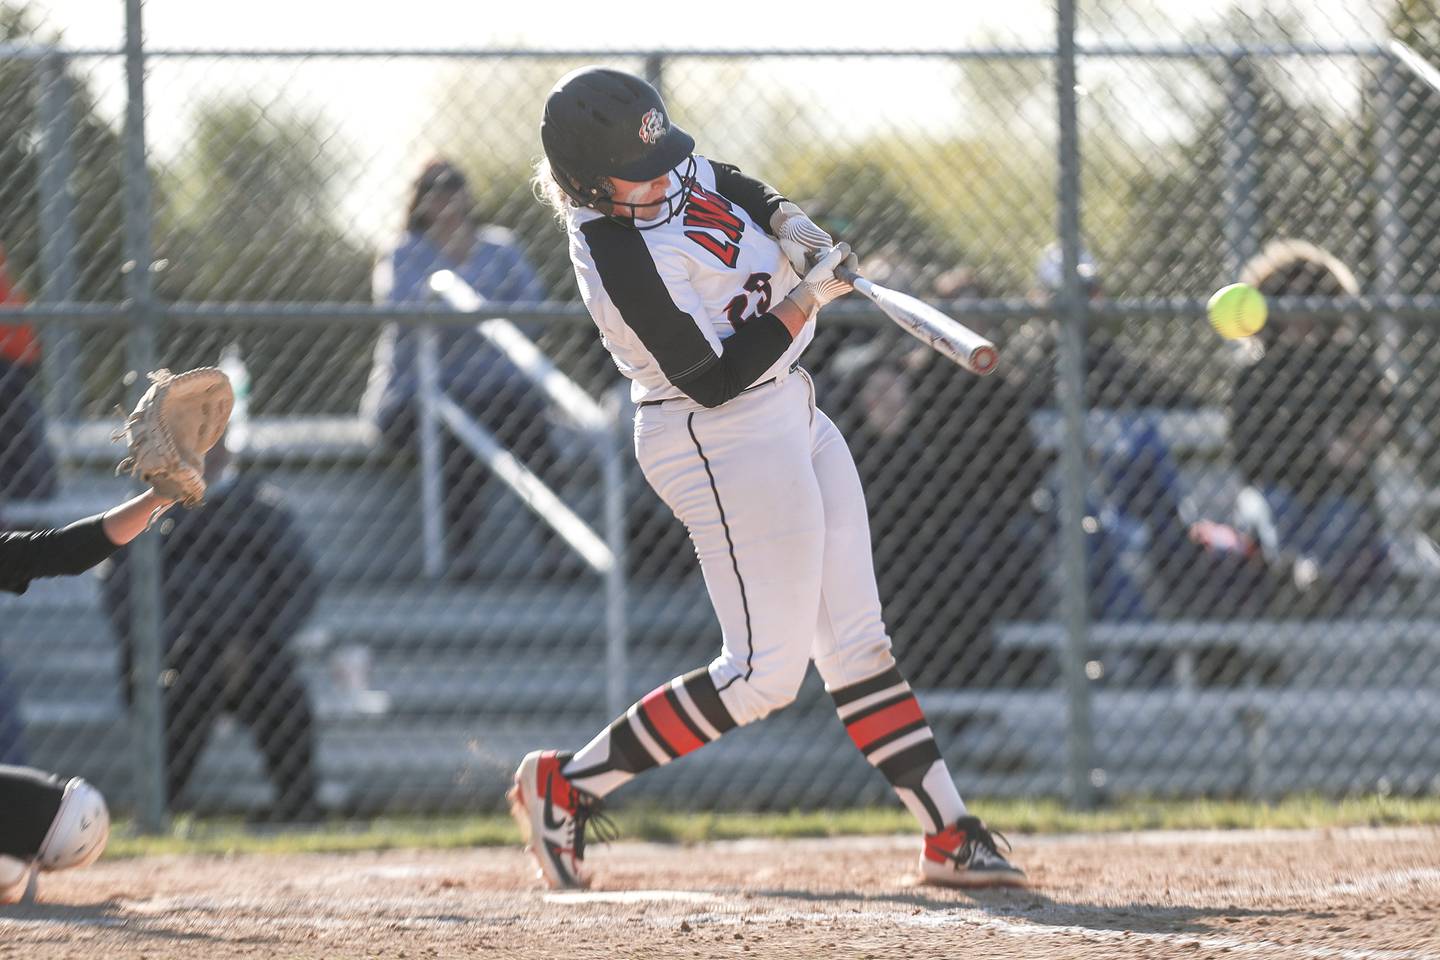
x=94, y=185
x=250, y=213
x=1417, y=23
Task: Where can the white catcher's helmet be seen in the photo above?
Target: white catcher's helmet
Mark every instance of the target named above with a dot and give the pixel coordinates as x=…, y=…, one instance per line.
x=79, y=831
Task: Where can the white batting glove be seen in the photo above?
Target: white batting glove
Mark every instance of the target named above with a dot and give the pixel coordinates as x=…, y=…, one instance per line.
x=801, y=239
x=820, y=285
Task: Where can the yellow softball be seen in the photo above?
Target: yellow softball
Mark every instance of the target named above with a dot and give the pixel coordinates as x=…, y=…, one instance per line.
x=1237, y=311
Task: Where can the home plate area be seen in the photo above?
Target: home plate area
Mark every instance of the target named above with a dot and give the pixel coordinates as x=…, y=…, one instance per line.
x=1353, y=894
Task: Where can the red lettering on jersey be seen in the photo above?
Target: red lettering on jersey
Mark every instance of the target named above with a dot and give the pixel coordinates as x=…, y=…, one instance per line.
x=726, y=252
x=713, y=212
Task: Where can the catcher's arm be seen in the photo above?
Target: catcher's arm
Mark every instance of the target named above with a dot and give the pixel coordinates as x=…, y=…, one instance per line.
x=127, y=521
x=27, y=555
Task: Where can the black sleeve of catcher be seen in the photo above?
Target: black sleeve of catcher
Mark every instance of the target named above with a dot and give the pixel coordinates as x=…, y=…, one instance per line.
x=29, y=555
x=759, y=199
x=30, y=799
x=749, y=353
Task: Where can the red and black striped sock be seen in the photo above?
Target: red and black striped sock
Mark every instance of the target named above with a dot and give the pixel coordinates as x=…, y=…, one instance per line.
x=668, y=722
x=885, y=721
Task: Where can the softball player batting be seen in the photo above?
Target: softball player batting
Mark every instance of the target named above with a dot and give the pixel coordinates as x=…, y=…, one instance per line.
x=705, y=285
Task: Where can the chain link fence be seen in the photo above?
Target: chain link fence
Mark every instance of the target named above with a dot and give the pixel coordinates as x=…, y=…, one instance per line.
x=1136, y=560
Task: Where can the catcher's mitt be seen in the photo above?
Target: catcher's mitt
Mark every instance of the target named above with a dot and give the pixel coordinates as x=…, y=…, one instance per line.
x=173, y=426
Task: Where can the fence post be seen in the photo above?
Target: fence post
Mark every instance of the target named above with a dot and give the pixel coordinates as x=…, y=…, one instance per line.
x=146, y=603
x=57, y=234
x=612, y=465
x=655, y=72
x=1391, y=230
x=1242, y=173
x=1070, y=391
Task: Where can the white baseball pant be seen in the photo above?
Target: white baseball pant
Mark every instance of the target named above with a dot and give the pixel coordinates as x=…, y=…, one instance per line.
x=770, y=495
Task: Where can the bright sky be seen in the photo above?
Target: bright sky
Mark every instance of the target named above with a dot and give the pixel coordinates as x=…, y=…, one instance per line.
x=565, y=23
x=900, y=24
x=380, y=107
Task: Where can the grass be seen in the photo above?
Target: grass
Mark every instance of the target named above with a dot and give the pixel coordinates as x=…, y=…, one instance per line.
x=224, y=837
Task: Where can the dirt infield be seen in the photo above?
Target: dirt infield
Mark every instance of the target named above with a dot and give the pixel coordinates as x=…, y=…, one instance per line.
x=1342, y=894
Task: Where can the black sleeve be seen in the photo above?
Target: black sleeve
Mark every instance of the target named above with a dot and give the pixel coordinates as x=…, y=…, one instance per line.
x=759, y=199
x=31, y=799
x=26, y=556
x=629, y=276
x=686, y=358
x=749, y=353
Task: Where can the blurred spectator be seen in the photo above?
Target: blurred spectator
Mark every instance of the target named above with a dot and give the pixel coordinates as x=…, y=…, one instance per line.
x=1122, y=498
x=1115, y=377
x=238, y=583
x=441, y=234
x=890, y=265
x=27, y=466
x=956, y=475
x=951, y=473
x=1310, y=414
x=958, y=283
x=1122, y=384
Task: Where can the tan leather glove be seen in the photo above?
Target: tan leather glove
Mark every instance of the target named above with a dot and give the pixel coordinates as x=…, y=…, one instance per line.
x=172, y=428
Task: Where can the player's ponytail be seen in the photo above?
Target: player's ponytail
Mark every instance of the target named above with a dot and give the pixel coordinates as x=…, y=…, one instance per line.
x=548, y=192
x=1295, y=268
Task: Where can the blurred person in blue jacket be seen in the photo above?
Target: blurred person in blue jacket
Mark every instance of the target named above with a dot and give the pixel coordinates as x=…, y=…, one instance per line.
x=1310, y=416
x=441, y=233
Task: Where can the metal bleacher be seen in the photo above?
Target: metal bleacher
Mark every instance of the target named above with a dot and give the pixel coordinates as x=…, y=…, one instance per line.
x=466, y=677
x=452, y=666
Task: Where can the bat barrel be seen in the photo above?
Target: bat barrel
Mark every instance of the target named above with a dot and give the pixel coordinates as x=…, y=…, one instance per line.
x=984, y=359
x=928, y=325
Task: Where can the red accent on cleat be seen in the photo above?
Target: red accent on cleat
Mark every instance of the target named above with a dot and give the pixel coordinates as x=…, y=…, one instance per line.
x=938, y=845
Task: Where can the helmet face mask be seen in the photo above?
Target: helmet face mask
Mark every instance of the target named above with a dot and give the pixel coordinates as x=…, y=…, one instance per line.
x=673, y=202
x=601, y=124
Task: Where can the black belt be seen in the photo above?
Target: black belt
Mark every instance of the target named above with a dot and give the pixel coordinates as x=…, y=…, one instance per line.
x=754, y=386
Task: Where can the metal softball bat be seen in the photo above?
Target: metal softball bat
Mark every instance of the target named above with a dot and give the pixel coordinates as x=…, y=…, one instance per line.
x=945, y=336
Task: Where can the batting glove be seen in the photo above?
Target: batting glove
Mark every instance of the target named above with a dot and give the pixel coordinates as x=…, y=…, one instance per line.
x=821, y=285
x=801, y=239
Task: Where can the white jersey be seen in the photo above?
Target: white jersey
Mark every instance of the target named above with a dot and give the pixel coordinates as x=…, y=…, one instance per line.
x=666, y=299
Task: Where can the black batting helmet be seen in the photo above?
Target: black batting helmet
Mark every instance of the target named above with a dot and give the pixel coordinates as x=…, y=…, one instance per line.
x=601, y=123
